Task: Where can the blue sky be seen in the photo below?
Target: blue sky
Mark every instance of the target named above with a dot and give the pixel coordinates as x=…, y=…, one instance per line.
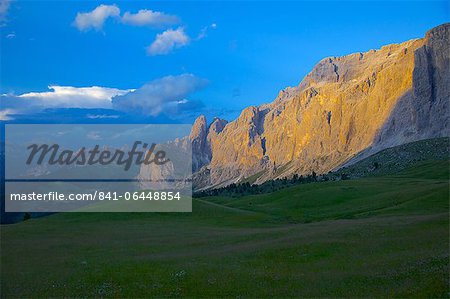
x=175, y=60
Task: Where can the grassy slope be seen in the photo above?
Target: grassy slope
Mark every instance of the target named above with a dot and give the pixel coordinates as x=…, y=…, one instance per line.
x=394, y=159
x=378, y=236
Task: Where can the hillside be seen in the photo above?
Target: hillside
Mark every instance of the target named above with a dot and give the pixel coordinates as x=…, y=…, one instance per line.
x=344, y=110
x=399, y=158
x=386, y=162
x=384, y=236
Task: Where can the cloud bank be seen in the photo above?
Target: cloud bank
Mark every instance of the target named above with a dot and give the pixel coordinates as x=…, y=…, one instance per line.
x=58, y=97
x=75, y=97
x=168, y=94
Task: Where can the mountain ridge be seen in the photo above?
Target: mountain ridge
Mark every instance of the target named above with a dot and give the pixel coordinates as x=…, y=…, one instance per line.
x=345, y=109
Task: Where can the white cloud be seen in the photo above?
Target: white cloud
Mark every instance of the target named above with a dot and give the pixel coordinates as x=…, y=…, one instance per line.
x=167, y=41
x=10, y=35
x=164, y=42
x=146, y=17
x=59, y=97
x=5, y=114
x=75, y=97
x=167, y=94
x=204, y=32
x=96, y=18
x=101, y=116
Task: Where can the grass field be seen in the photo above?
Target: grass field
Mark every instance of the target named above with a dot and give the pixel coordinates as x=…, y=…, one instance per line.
x=385, y=236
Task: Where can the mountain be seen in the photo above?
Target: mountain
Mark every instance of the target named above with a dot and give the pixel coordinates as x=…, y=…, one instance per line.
x=347, y=108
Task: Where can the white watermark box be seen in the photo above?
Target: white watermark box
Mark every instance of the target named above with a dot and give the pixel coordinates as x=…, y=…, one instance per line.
x=98, y=168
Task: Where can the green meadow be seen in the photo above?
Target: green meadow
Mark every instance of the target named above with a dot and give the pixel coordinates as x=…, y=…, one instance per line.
x=379, y=236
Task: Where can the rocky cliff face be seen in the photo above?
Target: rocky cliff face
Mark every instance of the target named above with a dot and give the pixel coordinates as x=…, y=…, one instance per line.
x=344, y=109
x=423, y=111
x=202, y=138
